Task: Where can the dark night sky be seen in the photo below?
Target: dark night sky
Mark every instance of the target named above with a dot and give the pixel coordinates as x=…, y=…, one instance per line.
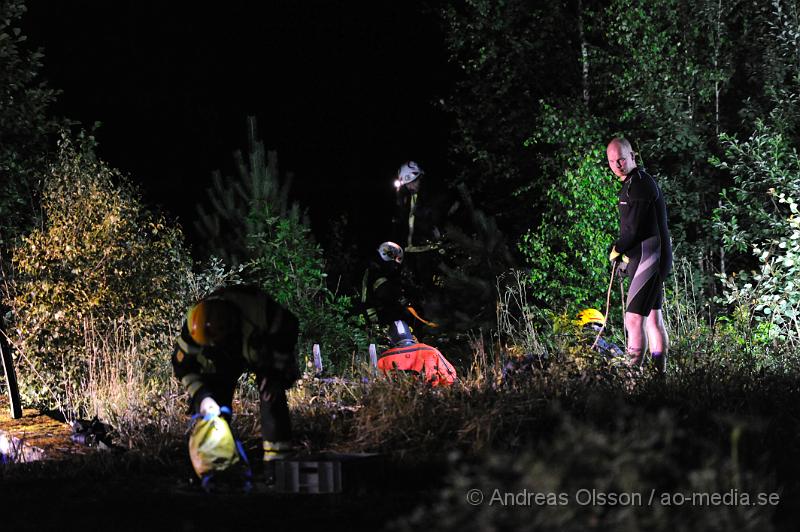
x=343, y=90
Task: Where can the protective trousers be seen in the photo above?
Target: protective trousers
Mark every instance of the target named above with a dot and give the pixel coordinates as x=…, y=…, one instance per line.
x=275, y=420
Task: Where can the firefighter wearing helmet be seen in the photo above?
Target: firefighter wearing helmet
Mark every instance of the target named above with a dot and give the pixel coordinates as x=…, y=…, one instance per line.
x=406, y=354
x=416, y=223
x=421, y=209
x=235, y=330
x=382, y=296
x=592, y=324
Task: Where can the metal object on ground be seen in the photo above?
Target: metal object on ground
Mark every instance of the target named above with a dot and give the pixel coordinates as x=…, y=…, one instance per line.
x=317, y=359
x=373, y=356
x=326, y=472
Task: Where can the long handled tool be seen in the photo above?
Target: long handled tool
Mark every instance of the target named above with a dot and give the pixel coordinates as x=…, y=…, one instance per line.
x=622, y=301
x=608, y=303
x=428, y=323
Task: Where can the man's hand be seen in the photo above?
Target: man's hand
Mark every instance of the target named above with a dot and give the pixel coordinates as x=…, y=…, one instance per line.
x=615, y=255
x=209, y=407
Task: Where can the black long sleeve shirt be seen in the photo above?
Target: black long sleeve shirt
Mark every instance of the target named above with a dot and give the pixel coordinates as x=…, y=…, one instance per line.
x=643, y=214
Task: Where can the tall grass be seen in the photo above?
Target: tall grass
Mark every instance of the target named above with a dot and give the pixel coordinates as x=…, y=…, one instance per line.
x=129, y=384
x=516, y=316
x=734, y=336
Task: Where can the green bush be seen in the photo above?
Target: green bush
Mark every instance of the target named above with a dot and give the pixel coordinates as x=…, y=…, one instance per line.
x=252, y=222
x=99, y=263
x=594, y=476
x=566, y=251
x=288, y=264
x=24, y=123
x=759, y=216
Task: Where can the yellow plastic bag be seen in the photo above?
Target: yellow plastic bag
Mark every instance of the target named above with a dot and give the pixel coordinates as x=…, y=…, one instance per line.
x=212, y=447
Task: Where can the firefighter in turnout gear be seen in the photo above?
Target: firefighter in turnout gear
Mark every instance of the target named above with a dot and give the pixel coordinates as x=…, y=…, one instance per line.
x=415, y=227
x=235, y=330
x=418, y=221
x=382, y=295
x=409, y=355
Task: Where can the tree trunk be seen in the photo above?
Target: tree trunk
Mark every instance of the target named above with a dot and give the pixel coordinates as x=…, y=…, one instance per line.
x=584, y=55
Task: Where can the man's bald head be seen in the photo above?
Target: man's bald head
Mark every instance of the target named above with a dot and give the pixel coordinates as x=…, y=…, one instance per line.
x=621, y=158
x=621, y=142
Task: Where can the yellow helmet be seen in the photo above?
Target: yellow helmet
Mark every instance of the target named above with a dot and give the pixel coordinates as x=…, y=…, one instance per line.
x=211, y=321
x=590, y=315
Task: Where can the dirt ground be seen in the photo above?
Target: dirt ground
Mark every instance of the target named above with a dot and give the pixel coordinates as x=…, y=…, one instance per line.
x=39, y=434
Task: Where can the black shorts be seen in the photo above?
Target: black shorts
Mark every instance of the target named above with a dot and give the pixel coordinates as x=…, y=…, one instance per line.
x=650, y=297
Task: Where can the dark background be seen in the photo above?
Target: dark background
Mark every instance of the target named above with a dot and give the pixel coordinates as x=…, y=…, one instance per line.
x=344, y=91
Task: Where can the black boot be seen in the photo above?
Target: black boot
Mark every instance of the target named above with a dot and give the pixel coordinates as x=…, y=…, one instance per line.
x=660, y=362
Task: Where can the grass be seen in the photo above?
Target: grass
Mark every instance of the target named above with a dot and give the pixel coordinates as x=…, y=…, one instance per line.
x=722, y=419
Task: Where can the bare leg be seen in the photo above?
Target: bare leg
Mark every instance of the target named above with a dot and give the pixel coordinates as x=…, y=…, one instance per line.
x=658, y=338
x=634, y=324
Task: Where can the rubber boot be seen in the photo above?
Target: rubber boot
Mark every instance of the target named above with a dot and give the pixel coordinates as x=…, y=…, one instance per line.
x=660, y=362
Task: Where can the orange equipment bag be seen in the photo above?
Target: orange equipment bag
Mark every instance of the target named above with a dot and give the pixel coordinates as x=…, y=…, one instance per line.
x=421, y=358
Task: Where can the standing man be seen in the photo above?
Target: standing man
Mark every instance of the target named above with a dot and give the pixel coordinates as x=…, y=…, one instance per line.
x=644, y=239
x=417, y=226
x=415, y=221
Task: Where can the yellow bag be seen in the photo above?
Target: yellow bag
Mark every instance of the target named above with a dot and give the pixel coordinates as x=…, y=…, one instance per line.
x=212, y=447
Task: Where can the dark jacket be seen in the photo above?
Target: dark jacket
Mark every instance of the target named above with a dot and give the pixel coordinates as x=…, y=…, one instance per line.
x=382, y=296
x=643, y=217
x=265, y=343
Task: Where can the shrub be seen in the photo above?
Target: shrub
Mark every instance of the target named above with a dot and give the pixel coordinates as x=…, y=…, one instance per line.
x=621, y=464
x=253, y=223
x=98, y=263
x=759, y=214
x=567, y=249
x=24, y=123
x=288, y=264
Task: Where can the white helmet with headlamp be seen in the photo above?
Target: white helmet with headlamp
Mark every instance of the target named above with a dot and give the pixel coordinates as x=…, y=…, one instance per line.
x=407, y=173
x=389, y=251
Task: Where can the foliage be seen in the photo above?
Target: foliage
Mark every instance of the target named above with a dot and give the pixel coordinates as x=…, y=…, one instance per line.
x=762, y=169
x=98, y=263
x=212, y=275
x=517, y=317
x=252, y=222
x=474, y=252
x=759, y=214
x=732, y=341
x=24, y=124
x=225, y=228
x=767, y=70
x=673, y=63
x=501, y=49
x=567, y=250
x=343, y=261
x=588, y=475
x=289, y=265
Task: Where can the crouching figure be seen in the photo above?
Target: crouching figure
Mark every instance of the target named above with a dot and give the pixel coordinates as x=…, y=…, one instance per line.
x=236, y=330
x=409, y=355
